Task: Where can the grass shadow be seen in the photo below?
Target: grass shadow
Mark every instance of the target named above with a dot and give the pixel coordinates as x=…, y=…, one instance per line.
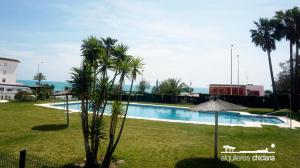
x=49, y=127
x=203, y=162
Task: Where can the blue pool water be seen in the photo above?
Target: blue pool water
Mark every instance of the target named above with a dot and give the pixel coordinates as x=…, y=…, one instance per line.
x=182, y=114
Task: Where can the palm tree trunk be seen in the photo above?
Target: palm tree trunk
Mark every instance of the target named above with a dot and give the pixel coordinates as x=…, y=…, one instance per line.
x=292, y=87
x=297, y=78
x=275, y=98
x=67, y=102
x=111, y=146
x=85, y=133
x=106, y=96
x=124, y=119
x=93, y=119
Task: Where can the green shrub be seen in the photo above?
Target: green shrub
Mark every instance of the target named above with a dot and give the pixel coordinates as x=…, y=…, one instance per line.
x=24, y=96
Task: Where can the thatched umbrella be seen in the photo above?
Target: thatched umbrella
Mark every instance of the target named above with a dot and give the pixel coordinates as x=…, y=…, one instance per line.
x=217, y=105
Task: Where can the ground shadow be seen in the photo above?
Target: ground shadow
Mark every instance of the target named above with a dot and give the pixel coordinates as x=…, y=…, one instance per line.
x=203, y=162
x=49, y=127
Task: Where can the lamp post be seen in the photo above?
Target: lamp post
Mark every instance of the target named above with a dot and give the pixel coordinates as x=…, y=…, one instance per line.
x=238, y=59
x=38, y=73
x=39, y=66
x=231, y=69
x=238, y=73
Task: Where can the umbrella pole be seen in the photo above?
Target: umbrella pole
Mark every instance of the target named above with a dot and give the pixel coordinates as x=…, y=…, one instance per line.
x=216, y=135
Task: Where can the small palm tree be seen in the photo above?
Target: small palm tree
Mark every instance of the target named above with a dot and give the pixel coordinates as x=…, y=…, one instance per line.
x=136, y=67
x=128, y=67
x=172, y=86
x=265, y=36
x=91, y=50
x=81, y=82
x=109, y=44
x=39, y=77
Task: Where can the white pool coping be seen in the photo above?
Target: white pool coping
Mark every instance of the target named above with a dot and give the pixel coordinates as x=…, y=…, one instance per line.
x=286, y=123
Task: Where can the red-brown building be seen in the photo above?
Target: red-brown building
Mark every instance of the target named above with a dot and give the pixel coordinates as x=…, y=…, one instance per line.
x=239, y=90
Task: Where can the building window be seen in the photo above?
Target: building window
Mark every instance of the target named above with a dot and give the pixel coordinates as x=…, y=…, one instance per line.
x=1, y=89
x=4, y=72
x=5, y=64
x=3, y=80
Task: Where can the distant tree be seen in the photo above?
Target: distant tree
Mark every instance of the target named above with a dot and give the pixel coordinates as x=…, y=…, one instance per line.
x=143, y=85
x=264, y=35
x=45, y=91
x=173, y=86
x=268, y=92
x=24, y=96
x=39, y=77
x=283, y=78
x=67, y=88
x=155, y=89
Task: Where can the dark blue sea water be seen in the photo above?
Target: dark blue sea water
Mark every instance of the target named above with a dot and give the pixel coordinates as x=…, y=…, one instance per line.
x=60, y=86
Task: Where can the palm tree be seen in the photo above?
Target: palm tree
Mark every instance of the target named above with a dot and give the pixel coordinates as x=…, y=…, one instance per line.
x=265, y=36
x=119, y=54
x=124, y=67
x=39, y=77
x=92, y=50
x=289, y=27
x=109, y=44
x=136, y=67
x=172, y=87
x=81, y=81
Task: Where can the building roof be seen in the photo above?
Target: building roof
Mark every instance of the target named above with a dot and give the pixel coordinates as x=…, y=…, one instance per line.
x=9, y=59
x=4, y=84
x=226, y=85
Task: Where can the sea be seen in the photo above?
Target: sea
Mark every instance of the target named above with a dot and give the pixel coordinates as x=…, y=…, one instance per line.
x=60, y=86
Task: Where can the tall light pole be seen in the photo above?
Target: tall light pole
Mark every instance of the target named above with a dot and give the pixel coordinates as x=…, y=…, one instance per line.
x=39, y=66
x=38, y=73
x=238, y=73
x=238, y=70
x=231, y=69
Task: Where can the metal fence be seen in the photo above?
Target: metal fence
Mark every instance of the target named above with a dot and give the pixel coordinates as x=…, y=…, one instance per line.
x=25, y=161
x=248, y=101
x=8, y=161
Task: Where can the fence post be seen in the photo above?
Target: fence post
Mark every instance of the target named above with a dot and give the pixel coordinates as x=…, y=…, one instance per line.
x=22, y=158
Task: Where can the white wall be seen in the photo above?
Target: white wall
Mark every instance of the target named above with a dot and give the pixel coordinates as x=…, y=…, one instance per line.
x=8, y=72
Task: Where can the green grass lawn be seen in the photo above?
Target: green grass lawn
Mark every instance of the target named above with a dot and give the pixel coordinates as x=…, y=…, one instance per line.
x=144, y=143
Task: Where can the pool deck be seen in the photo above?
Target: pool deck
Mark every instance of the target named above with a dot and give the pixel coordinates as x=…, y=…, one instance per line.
x=294, y=124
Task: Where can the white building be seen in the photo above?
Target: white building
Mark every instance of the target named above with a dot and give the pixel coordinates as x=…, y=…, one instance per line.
x=8, y=79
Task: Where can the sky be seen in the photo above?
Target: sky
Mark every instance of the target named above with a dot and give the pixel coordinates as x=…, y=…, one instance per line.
x=177, y=39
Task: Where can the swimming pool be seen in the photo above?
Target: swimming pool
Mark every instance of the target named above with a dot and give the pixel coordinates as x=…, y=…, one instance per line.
x=183, y=114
